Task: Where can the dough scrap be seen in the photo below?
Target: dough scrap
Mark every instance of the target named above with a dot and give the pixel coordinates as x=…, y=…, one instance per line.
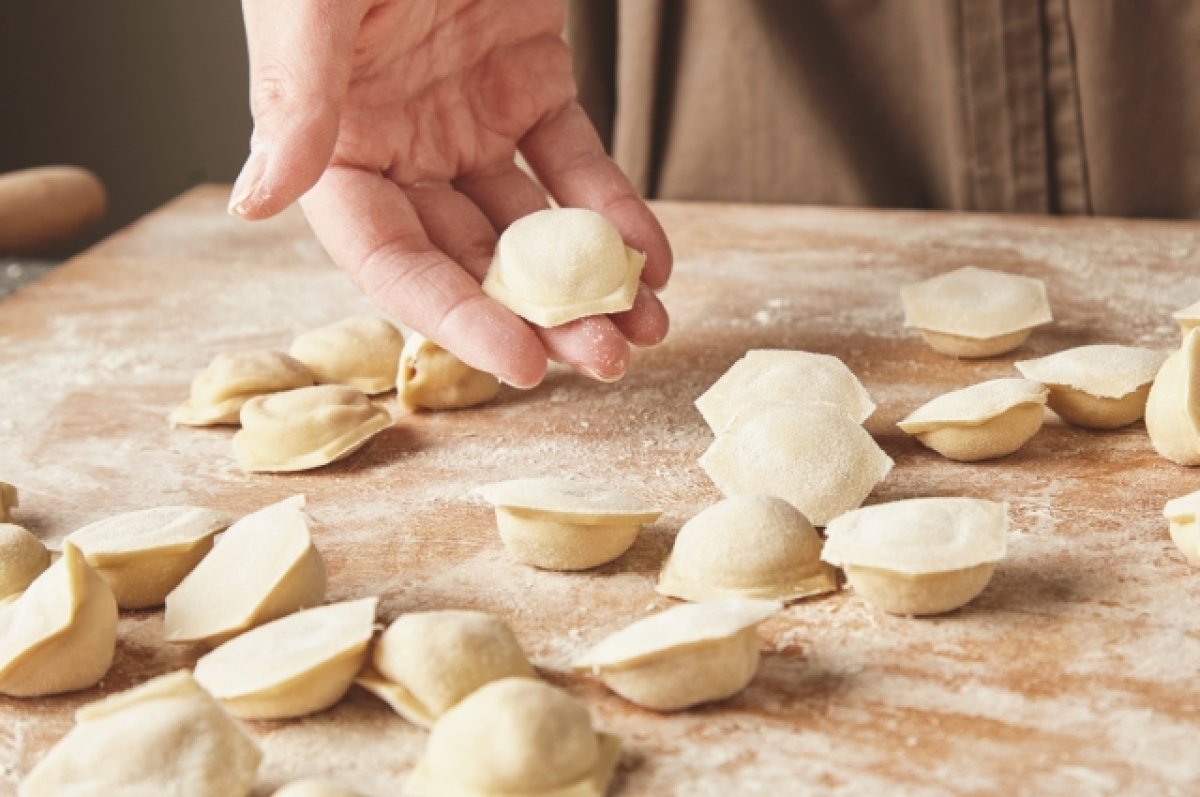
x=22, y=559
x=770, y=376
x=1097, y=387
x=315, y=787
x=748, y=546
x=922, y=555
x=432, y=378
x=975, y=312
x=812, y=455
x=1183, y=514
x=61, y=633
x=361, y=352
x=517, y=737
x=689, y=654
x=984, y=421
x=297, y=665
x=143, y=555
x=231, y=379
x=425, y=663
x=556, y=265
x=305, y=428
x=166, y=736
x=9, y=499
x=1188, y=318
x=1173, y=406
x=559, y=524
x=264, y=566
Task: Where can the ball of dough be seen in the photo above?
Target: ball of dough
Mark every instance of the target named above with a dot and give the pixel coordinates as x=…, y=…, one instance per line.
x=8, y=500
x=1097, y=387
x=231, y=379
x=314, y=787
x=432, y=378
x=556, y=265
x=361, y=352
x=1182, y=514
x=1173, y=406
x=22, y=559
x=749, y=546
x=984, y=421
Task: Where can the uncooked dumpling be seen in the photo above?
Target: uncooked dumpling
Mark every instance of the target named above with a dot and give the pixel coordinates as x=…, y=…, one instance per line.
x=426, y=662
x=687, y=655
x=517, y=737
x=432, y=378
x=8, y=500
x=1188, y=318
x=1173, y=406
x=143, y=555
x=919, y=556
x=975, y=312
x=812, y=455
x=770, y=376
x=556, y=265
x=60, y=635
x=22, y=559
x=749, y=546
x=265, y=566
x=1182, y=513
x=231, y=379
x=361, y=352
x=296, y=665
x=314, y=787
x=558, y=524
x=984, y=421
x=164, y=737
x=1097, y=387
x=306, y=428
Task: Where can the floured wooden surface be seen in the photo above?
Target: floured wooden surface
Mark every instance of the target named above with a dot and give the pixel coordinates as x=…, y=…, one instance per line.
x=1076, y=672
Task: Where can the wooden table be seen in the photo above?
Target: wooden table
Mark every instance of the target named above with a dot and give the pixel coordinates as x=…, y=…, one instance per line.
x=1076, y=672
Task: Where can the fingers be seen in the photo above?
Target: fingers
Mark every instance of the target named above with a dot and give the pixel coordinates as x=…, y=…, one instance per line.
x=372, y=230
x=567, y=156
x=646, y=323
x=301, y=55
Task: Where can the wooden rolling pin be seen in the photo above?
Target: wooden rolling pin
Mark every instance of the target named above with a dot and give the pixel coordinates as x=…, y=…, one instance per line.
x=47, y=205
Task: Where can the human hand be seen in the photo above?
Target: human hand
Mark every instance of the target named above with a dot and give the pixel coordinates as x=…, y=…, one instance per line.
x=398, y=122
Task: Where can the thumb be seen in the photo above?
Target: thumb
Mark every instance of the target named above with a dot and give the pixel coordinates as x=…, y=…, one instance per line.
x=301, y=53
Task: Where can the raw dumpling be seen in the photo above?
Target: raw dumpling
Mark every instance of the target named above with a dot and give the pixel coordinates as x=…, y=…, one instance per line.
x=231, y=379
x=975, y=312
x=60, y=635
x=984, y=421
x=166, y=736
x=1097, y=387
x=313, y=787
x=557, y=524
x=426, y=662
x=517, y=737
x=749, y=546
x=814, y=456
x=306, y=428
x=297, y=665
x=771, y=376
x=22, y=559
x=143, y=555
x=687, y=655
x=8, y=501
x=556, y=265
x=265, y=566
x=1182, y=514
x=1188, y=318
x=919, y=556
x=432, y=378
x=361, y=352
x=1173, y=406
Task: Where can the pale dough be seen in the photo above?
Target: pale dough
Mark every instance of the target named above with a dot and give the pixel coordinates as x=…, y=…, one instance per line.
x=922, y=555
x=556, y=265
x=1097, y=387
x=143, y=555
x=164, y=737
x=1173, y=406
x=9, y=499
x=975, y=312
x=22, y=559
x=297, y=665
x=361, y=352
x=749, y=546
x=431, y=378
x=61, y=633
x=314, y=787
x=264, y=566
x=1188, y=318
x=1182, y=513
x=231, y=379
x=984, y=421
x=306, y=428
x=687, y=655
x=517, y=737
x=558, y=524
x=426, y=662
x=812, y=455
x=770, y=376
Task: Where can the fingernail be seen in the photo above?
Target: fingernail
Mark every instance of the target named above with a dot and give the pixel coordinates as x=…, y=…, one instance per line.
x=600, y=377
x=247, y=183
